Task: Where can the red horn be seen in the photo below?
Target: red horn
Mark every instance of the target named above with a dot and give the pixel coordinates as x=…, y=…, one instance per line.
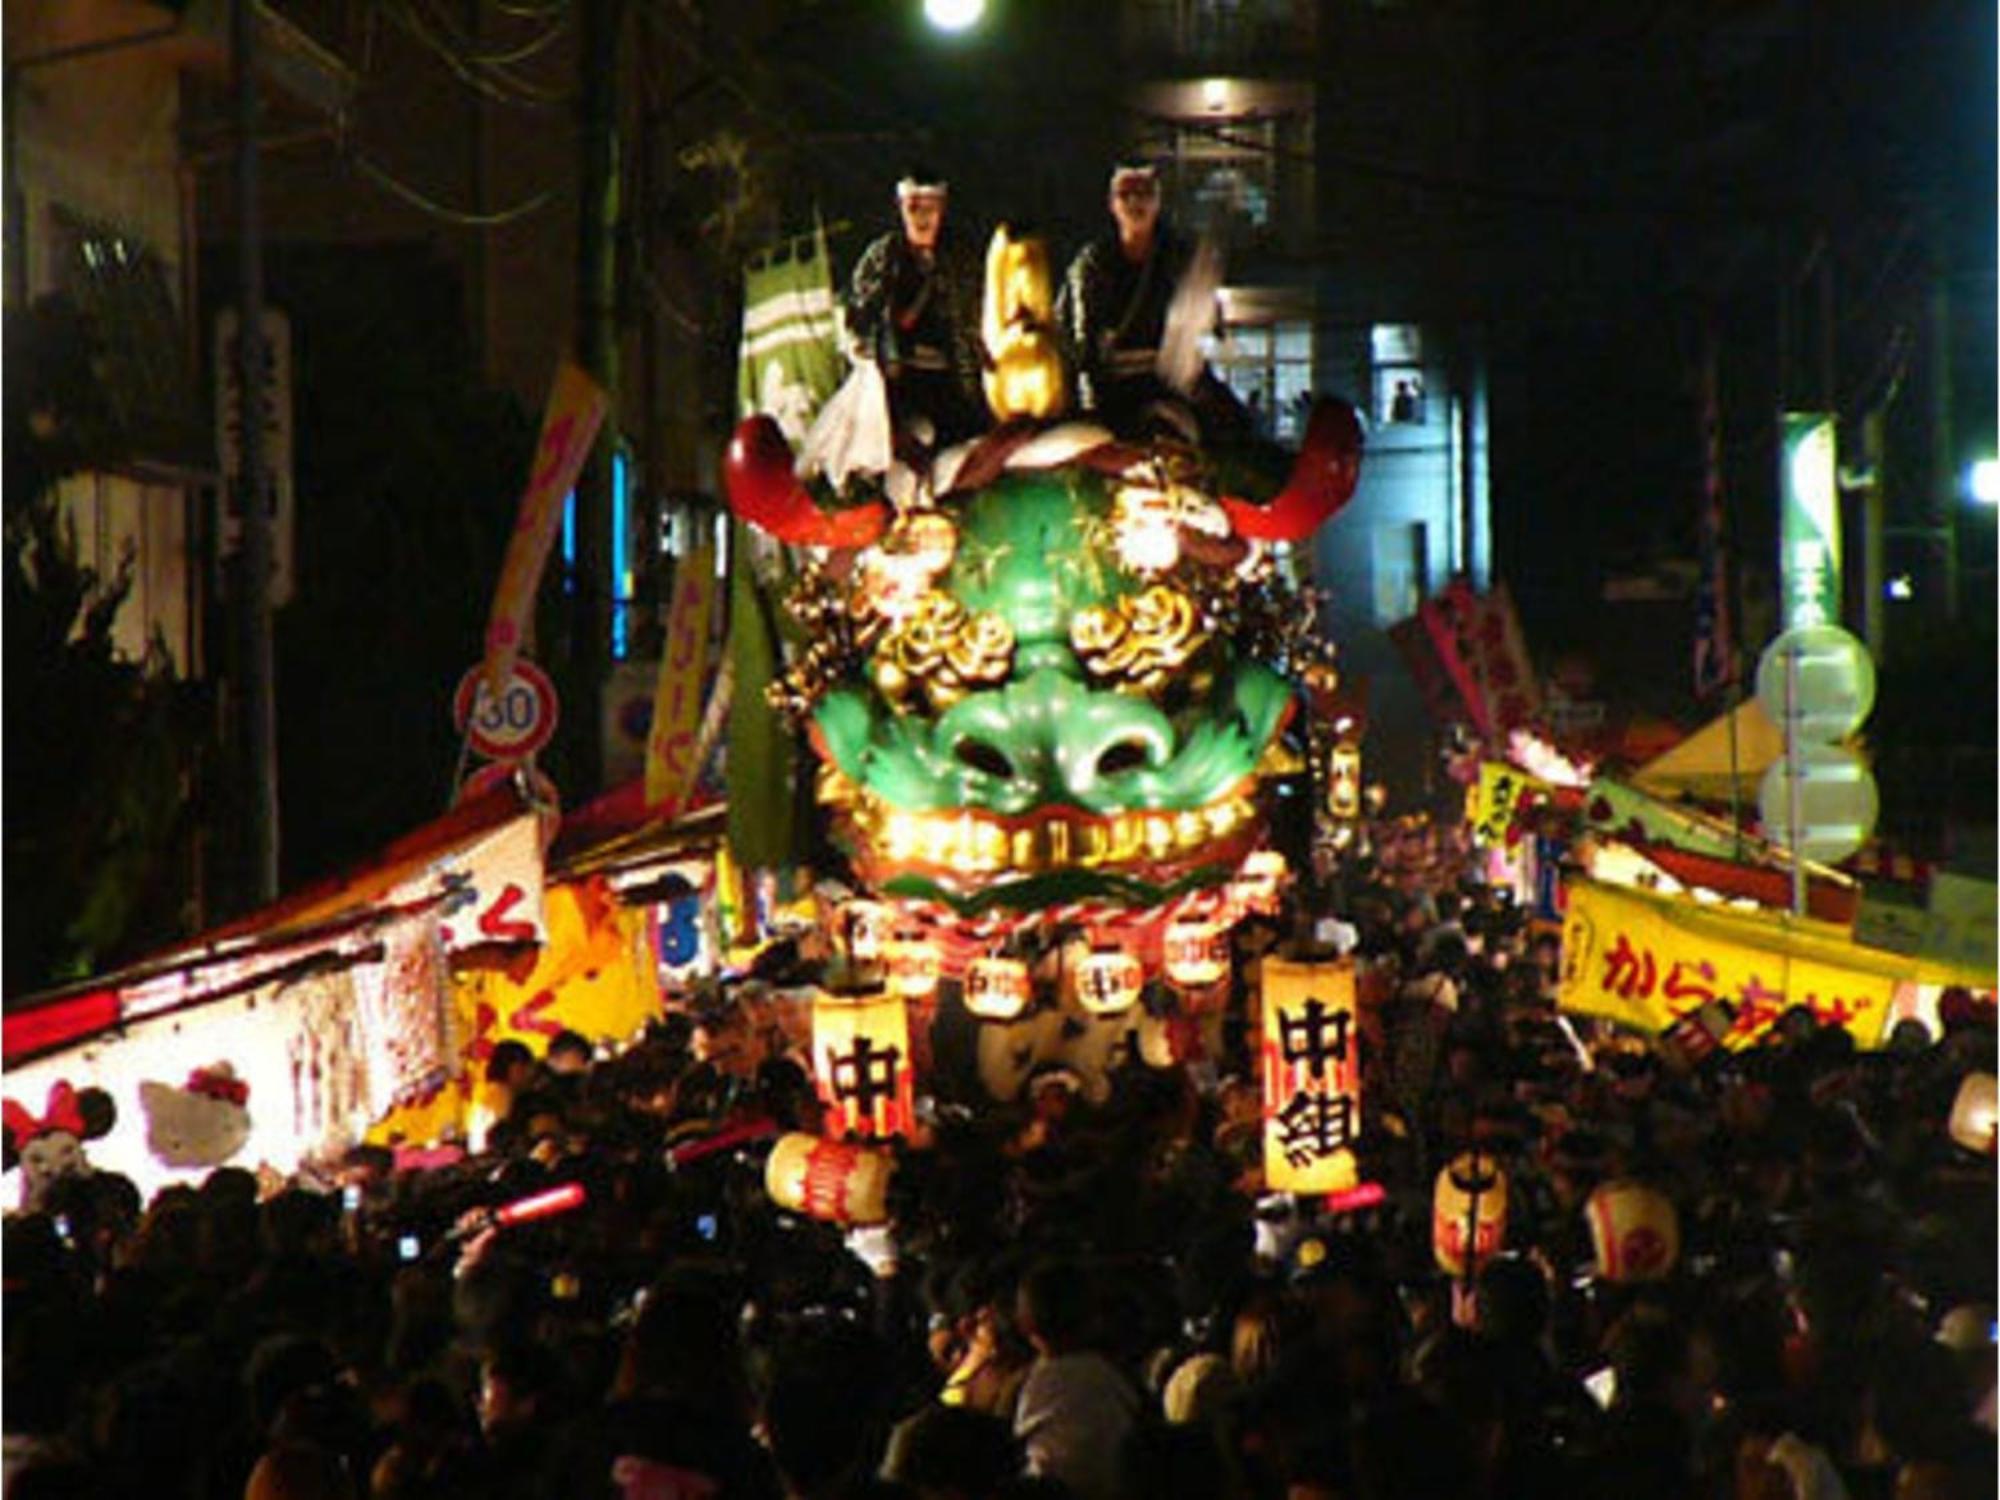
x=765, y=491
x=1323, y=480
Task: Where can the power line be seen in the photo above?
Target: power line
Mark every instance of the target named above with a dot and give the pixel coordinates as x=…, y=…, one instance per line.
x=422, y=201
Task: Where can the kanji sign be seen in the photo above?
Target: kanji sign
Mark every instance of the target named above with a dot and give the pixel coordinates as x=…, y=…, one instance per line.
x=861, y=1059
x=1312, y=1076
x=1649, y=960
x=670, y=743
x=1497, y=797
x=576, y=411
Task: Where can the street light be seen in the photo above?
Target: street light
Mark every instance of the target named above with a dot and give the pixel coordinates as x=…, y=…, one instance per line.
x=954, y=15
x=1982, y=482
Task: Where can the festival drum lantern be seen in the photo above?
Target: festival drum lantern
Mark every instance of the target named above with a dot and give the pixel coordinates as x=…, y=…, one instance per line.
x=861, y=1060
x=1468, y=1214
x=913, y=966
x=1634, y=1231
x=1196, y=952
x=997, y=987
x=1108, y=981
x=836, y=1181
x=1974, y=1113
x=1343, y=781
x=1312, y=1076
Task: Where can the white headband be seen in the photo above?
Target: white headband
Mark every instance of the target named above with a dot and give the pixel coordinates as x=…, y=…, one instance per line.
x=1147, y=175
x=909, y=187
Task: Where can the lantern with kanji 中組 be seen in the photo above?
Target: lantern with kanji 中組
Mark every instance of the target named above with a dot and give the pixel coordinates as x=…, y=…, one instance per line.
x=1468, y=1213
x=1109, y=981
x=997, y=987
x=1195, y=952
x=1312, y=1076
x=861, y=1060
x=837, y=1181
x=1634, y=1231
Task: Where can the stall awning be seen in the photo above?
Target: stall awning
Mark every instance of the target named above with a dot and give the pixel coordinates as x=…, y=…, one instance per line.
x=1716, y=758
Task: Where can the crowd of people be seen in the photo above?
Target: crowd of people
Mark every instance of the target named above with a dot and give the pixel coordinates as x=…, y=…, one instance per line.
x=1070, y=1298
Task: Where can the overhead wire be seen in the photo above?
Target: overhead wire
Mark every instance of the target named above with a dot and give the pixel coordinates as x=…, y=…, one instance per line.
x=420, y=200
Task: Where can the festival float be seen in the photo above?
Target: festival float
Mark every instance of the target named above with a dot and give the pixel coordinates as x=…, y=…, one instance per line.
x=1051, y=683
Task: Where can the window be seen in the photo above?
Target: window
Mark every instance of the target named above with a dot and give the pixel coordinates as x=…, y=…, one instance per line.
x=1397, y=354
x=1221, y=175
x=1269, y=366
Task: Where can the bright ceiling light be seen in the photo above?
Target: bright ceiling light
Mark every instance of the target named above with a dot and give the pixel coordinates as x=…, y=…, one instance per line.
x=954, y=15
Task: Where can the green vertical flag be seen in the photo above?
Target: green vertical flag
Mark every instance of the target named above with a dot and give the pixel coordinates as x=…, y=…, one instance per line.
x=790, y=360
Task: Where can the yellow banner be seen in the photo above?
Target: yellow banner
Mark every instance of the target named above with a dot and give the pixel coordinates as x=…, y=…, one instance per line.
x=1312, y=1076
x=569, y=427
x=670, y=743
x=1490, y=804
x=593, y=976
x=1647, y=960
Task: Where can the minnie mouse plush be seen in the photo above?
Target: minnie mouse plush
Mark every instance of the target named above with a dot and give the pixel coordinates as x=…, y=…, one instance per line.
x=51, y=1146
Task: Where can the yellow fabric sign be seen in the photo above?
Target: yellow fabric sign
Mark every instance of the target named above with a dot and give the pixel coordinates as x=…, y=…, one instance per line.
x=1312, y=1076
x=569, y=428
x=1647, y=960
x=1491, y=803
x=593, y=976
x=670, y=743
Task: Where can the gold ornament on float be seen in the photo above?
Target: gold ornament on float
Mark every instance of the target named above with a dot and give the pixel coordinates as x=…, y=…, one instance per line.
x=1025, y=375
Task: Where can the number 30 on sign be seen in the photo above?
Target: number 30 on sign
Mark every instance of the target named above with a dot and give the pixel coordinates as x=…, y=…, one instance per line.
x=512, y=725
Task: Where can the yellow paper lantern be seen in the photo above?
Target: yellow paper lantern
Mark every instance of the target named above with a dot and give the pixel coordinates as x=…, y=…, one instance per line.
x=997, y=987
x=1311, y=1057
x=1634, y=1231
x=837, y=1181
x=1108, y=981
x=1343, y=780
x=1975, y=1111
x=1468, y=1213
x=913, y=967
x=1196, y=952
x=861, y=1060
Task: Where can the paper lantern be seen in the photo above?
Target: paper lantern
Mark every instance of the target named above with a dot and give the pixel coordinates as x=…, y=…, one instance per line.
x=1468, y=1214
x=913, y=967
x=1196, y=952
x=1108, y=981
x=1312, y=1076
x=837, y=1181
x=1974, y=1113
x=861, y=1060
x=1634, y=1231
x=1343, y=780
x=996, y=987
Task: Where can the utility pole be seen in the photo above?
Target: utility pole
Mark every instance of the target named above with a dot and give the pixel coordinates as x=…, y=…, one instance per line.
x=257, y=718
x=597, y=352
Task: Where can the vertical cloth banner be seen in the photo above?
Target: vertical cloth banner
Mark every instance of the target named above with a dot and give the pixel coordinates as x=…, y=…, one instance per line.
x=670, y=742
x=790, y=360
x=1714, y=637
x=569, y=427
x=1312, y=1076
x=1648, y=960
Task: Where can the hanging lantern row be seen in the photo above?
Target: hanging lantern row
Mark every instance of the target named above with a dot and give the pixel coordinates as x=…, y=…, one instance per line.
x=914, y=966
x=1195, y=952
x=1109, y=981
x=997, y=988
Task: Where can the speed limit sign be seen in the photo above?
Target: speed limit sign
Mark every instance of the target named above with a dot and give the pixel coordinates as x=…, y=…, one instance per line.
x=512, y=724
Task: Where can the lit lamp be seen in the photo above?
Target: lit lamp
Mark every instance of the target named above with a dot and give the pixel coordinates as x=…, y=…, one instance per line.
x=861, y=1062
x=1634, y=1232
x=1195, y=952
x=836, y=1181
x=1311, y=1055
x=913, y=966
x=1974, y=1113
x=996, y=987
x=1343, y=780
x=1108, y=981
x=1468, y=1214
